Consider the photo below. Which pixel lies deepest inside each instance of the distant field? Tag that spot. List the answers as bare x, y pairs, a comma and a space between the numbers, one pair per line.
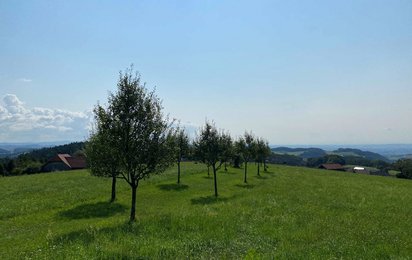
290, 212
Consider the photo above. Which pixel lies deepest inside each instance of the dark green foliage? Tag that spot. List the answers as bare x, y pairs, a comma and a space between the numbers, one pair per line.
101, 158
182, 149
32, 167
262, 152
356, 160
43, 154
245, 148
313, 152
303, 152
31, 162
212, 147
363, 157
364, 154
349, 160
405, 168
10, 166
237, 161
286, 159
2, 170
138, 134
229, 150
331, 158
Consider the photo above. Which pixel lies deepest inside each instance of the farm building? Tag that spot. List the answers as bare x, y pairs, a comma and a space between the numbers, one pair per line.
64, 162
370, 171
332, 166
359, 169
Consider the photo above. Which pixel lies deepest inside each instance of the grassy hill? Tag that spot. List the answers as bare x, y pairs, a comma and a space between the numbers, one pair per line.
290, 212
356, 152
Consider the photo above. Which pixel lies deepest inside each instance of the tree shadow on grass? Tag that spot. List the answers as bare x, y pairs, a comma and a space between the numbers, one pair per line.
208, 177
261, 177
268, 172
88, 235
229, 172
93, 210
173, 186
208, 200
245, 185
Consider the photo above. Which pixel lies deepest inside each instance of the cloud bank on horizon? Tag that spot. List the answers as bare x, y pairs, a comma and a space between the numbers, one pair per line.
19, 123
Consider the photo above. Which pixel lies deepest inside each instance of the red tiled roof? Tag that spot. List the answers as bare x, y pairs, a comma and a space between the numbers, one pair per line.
332, 166
76, 162
71, 162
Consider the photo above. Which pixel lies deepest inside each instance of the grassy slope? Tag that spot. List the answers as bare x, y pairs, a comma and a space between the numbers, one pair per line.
290, 212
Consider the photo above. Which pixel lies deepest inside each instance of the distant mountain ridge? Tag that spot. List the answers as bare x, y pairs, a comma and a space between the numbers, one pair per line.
13, 150
357, 152
312, 152
301, 152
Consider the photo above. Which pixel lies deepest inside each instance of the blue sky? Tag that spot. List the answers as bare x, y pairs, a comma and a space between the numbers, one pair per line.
294, 72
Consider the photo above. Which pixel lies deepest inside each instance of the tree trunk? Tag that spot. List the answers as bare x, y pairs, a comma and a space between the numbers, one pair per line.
178, 172
258, 170
113, 188
245, 172
214, 175
208, 170
225, 167
133, 210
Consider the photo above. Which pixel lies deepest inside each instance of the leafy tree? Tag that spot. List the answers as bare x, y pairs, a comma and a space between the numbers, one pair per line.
266, 154
182, 148
241, 151
102, 159
246, 148
334, 158
331, 158
211, 148
237, 160
32, 167
229, 150
137, 132
262, 151
405, 168
10, 166
2, 170
286, 159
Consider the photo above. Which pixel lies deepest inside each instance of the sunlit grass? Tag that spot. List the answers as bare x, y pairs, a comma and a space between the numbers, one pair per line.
289, 212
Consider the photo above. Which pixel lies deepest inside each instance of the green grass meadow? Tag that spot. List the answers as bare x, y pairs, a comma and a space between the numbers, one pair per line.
289, 212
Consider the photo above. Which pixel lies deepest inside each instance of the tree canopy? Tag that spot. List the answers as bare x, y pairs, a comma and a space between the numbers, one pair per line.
138, 133
212, 148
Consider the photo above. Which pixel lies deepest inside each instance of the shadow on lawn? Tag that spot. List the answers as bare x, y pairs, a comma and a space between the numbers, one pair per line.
246, 186
207, 200
93, 210
88, 235
261, 177
269, 172
173, 186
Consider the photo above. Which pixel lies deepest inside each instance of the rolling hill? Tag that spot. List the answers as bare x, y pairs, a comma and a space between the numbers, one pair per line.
356, 152
289, 212
306, 153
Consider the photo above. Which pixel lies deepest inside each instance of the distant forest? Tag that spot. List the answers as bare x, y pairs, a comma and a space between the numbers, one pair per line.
31, 162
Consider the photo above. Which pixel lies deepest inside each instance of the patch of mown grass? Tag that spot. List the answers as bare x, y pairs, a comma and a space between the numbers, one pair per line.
289, 212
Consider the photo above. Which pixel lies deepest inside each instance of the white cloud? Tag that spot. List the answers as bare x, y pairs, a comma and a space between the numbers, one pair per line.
19, 123
25, 80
